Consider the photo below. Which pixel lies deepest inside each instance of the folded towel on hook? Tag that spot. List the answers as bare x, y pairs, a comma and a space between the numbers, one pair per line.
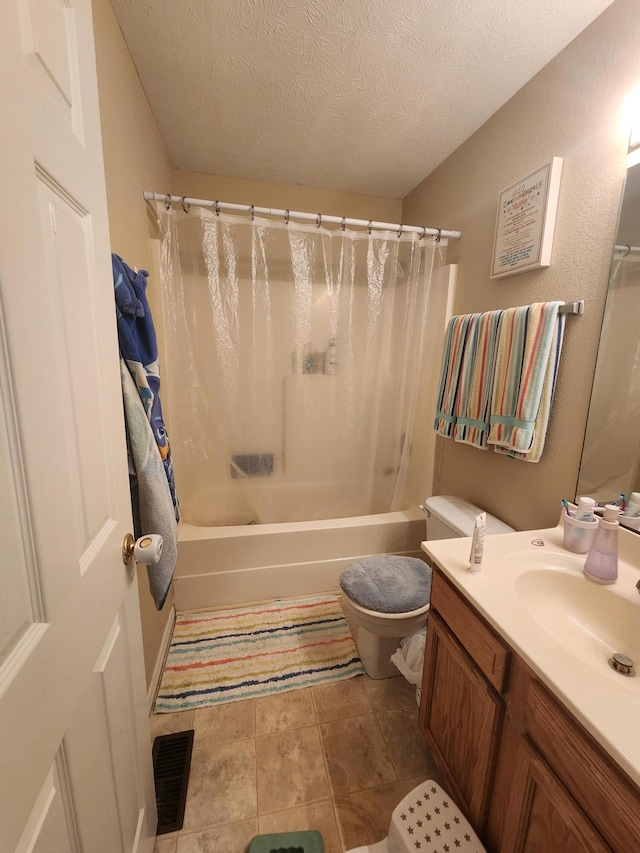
527, 358
450, 374
478, 362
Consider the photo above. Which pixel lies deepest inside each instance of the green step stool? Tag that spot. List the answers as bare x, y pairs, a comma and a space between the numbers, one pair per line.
308, 841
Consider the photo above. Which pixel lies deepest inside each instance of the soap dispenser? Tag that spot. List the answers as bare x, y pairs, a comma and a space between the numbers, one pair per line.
601, 565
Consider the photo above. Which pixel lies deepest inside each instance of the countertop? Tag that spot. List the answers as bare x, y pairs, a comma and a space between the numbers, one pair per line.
606, 703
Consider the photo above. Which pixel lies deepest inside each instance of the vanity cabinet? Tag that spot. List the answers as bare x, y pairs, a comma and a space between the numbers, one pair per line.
461, 712
528, 776
541, 815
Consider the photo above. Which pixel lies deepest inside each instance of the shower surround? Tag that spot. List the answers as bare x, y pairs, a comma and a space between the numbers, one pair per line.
300, 363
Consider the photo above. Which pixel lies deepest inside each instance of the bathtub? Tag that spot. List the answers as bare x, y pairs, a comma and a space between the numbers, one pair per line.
280, 499
220, 566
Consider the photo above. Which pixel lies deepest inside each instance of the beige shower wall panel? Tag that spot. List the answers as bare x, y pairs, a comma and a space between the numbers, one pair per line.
571, 109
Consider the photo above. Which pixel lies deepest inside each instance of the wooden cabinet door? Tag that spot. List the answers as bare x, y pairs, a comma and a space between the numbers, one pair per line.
461, 719
542, 817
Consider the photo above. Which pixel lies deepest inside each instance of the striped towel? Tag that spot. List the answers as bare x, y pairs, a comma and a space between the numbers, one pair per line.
478, 362
448, 390
528, 352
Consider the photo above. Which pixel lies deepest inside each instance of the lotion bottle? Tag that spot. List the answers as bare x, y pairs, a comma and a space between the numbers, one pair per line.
601, 565
477, 544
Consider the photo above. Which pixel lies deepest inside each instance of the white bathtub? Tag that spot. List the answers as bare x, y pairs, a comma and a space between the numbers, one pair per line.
279, 499
233, 565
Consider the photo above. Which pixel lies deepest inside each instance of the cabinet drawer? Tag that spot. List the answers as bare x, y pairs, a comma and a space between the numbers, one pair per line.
608, 797
490, 654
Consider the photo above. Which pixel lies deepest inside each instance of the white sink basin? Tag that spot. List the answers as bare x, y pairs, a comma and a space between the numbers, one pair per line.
590, 620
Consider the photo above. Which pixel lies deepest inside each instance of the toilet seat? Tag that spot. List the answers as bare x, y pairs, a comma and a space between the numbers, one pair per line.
387, 584
388, 624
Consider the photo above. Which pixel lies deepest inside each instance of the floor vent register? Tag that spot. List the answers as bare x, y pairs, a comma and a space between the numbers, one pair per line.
171, 765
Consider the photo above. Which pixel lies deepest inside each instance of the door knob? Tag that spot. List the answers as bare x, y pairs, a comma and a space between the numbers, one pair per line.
147, 549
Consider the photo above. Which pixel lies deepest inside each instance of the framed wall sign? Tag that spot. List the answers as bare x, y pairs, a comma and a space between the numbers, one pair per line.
525, 222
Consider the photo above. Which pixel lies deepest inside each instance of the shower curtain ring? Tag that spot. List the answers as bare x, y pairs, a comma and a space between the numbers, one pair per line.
401, 229
216, 207
628, 252
167, 201
186, 207
369, 227
424, 233
252, 212
286, 217
344, 223
319, 220
439, 235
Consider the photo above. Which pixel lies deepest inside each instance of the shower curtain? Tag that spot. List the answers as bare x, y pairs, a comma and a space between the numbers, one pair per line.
294, 357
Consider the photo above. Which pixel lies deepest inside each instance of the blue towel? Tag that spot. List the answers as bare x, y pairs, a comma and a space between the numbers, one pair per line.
388, 584
155, 505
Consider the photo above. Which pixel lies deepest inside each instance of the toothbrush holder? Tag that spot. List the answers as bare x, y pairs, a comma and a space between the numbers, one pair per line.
579, 535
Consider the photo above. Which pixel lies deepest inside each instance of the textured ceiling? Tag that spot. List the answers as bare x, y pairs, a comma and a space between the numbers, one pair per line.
365, 96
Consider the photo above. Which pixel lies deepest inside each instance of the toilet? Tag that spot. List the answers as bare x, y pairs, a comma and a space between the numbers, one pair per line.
387, 597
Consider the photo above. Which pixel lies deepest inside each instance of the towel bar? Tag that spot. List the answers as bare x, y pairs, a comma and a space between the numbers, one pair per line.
572, 307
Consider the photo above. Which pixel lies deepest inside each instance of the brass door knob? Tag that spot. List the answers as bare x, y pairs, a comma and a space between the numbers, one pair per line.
148, 549
128, 546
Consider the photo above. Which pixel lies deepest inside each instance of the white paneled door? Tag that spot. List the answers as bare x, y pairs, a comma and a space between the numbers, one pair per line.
75, 764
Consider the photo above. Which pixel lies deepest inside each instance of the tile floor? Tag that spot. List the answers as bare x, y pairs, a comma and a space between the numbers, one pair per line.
337, 758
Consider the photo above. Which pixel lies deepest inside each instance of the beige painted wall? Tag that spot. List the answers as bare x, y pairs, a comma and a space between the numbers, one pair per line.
285, 196
134, 159
571, 109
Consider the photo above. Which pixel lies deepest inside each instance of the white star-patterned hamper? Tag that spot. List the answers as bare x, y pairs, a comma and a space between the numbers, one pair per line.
427, 821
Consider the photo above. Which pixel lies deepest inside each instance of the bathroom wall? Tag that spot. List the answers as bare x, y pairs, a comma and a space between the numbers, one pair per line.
291, 196
134, 159
571, 109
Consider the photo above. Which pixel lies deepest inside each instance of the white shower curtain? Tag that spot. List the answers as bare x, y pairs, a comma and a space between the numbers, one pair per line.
294, 361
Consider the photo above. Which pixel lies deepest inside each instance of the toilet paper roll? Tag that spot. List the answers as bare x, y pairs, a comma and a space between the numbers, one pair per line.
148, 549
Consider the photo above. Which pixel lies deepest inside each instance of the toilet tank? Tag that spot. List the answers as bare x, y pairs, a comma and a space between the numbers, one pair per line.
449, 517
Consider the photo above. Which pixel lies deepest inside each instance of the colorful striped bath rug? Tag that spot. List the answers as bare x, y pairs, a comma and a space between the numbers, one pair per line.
226, 655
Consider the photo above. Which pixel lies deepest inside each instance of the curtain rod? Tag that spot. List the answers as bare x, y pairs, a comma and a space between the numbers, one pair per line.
628, 250
318, 218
